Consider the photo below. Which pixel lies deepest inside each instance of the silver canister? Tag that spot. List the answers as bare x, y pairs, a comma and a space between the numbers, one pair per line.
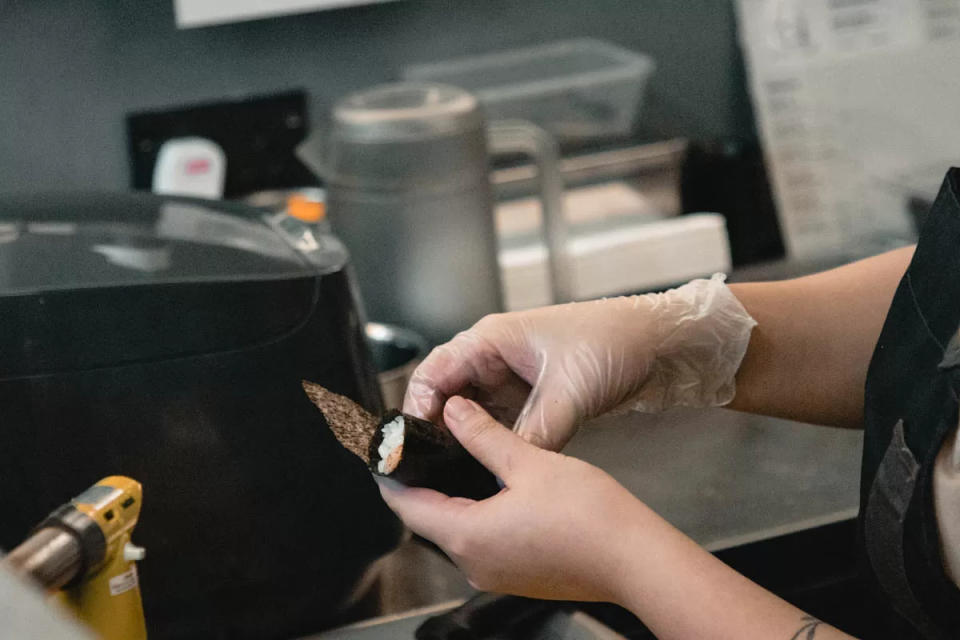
396, 352
406, 167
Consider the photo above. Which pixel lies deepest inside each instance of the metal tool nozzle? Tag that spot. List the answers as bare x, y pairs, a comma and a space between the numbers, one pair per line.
51, 556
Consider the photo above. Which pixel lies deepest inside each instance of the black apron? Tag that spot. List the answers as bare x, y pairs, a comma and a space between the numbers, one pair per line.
912, 391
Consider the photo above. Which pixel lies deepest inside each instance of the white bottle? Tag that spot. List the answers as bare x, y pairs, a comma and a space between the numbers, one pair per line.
193, 167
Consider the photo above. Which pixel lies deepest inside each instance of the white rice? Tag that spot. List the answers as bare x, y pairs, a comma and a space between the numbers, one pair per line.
392, 441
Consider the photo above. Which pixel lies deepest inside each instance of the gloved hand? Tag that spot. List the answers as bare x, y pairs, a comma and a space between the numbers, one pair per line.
546, 370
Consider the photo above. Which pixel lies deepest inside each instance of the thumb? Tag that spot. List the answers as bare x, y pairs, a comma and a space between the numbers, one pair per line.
493, 445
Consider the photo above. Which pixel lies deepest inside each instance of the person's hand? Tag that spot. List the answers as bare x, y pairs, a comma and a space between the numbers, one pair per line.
544, 370
557, 530
563, 529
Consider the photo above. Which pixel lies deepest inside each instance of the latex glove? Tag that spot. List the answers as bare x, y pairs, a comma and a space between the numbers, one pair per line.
545, 535
547, 370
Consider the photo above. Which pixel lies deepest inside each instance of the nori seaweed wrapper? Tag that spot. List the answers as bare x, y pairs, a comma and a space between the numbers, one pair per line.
350, 423
433, 458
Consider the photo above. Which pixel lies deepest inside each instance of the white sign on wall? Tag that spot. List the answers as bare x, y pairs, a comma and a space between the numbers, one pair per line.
200, 13
856, 101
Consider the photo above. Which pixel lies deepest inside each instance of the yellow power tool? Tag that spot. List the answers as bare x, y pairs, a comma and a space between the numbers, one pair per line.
83, 549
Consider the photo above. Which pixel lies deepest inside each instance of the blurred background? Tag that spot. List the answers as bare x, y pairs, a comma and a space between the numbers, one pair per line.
73, 72
421, 163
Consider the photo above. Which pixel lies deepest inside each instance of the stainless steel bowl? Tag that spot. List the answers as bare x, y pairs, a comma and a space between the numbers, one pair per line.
396, 353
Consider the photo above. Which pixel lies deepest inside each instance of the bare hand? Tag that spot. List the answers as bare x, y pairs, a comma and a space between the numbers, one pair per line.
563, 529
547, 534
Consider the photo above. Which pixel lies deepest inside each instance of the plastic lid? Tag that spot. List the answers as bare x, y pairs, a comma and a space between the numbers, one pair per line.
69, 241
405, 111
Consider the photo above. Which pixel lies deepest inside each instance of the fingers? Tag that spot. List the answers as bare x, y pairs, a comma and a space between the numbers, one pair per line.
426, 512
503, 403
548, 420
493, 445
468, 359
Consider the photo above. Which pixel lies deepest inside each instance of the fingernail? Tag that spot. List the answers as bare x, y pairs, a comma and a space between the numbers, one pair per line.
459, 408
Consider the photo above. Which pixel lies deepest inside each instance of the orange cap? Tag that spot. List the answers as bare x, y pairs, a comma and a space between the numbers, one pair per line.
307, 210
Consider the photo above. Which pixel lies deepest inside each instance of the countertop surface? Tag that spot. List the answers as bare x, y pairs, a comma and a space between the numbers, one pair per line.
725, 478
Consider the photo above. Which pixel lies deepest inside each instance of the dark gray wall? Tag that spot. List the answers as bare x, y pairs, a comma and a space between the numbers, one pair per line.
71, 69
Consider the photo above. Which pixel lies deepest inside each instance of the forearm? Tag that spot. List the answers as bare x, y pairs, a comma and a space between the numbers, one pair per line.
808, 356
680, 591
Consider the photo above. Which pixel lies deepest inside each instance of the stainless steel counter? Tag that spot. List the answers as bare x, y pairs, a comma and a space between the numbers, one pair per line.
726, 478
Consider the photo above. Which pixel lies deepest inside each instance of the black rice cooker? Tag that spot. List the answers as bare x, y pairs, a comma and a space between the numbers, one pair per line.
166, 339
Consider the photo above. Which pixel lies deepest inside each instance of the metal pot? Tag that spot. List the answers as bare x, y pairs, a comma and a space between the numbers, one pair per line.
396, 352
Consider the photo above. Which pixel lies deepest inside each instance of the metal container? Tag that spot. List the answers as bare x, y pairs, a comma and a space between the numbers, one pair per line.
396, 352
406, 168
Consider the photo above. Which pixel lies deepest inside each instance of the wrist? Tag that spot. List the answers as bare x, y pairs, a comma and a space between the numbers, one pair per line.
679, 590
632, 559
701, 333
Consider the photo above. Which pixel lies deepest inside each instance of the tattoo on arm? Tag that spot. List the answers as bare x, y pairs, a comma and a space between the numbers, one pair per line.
808, 630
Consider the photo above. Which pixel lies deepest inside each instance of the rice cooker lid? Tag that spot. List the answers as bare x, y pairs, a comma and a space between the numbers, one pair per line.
70, 241
92, 281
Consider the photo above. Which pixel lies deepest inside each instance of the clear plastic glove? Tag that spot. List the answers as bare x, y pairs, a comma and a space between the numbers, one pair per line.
547, 370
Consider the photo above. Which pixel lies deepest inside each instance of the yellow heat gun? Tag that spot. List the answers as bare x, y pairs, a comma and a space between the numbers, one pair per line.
83, 549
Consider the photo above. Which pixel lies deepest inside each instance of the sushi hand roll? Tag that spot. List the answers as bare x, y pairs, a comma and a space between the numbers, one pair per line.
419, 453
413, 451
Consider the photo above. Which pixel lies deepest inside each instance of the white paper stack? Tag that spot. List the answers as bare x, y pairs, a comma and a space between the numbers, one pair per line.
633, 257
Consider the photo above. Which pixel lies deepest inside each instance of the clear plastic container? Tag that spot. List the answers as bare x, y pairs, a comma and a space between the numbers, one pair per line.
577, 90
